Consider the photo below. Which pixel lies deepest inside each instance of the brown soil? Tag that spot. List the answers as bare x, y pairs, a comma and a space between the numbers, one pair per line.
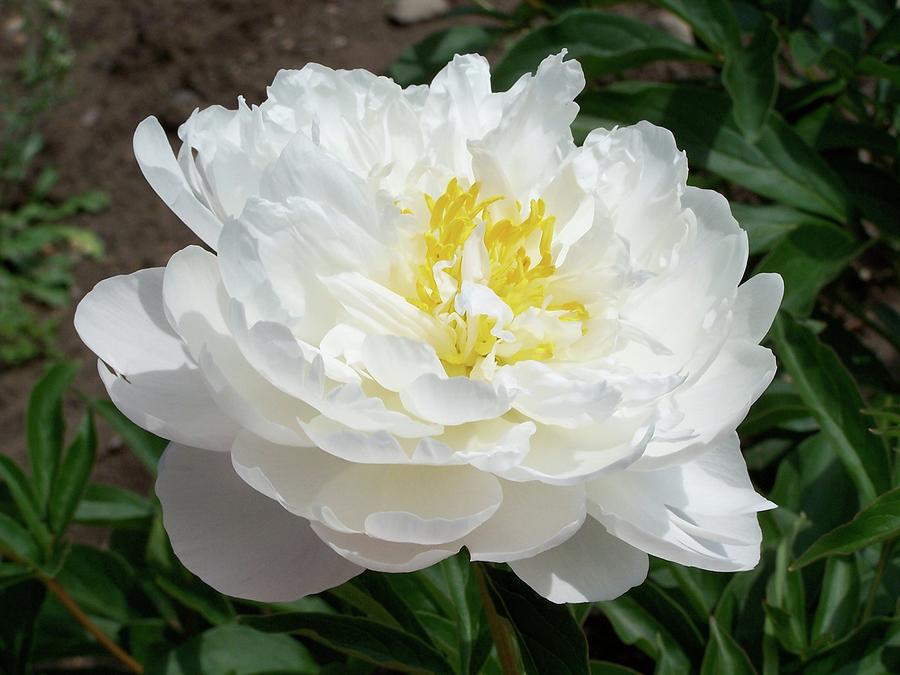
165, 57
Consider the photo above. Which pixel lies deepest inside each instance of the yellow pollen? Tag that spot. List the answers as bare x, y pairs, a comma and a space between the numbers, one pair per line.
517, 279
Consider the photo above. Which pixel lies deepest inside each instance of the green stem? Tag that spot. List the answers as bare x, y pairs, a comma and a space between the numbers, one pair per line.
79, 615
503, 640
876, 580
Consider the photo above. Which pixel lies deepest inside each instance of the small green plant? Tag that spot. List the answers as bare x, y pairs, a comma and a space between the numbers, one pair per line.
38, 248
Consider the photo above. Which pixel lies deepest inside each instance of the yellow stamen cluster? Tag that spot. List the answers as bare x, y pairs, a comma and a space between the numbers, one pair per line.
513, 275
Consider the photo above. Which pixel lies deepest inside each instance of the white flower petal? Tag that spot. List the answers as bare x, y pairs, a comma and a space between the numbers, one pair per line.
755, 306
156, 383
238, 541
701, 513
454, 400
532, 518
590, 566
395, 362
384, 556
534, 132
400, 503
158, 164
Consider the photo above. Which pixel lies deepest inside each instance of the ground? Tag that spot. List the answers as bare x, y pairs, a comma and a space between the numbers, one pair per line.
135, 58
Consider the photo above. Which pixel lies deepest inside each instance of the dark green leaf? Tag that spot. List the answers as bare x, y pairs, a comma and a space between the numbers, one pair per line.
24, 497
779, 165
234, 650
71, 479
663, 608
147, 447
602, 43
875, 192
834, 400
866, 643
723, 654
379, 589
21, 604
808, 258
750, 78
421, 62
779, 407
363, 638
112, 506
635, 626
456, 572
878, 522
609, 668
196, 595
45, 427
15, 541
100, 581
766, 225
550, 640
838, 601
713, 21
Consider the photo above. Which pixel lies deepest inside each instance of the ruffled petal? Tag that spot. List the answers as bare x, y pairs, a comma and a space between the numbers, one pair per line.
237, 540
158, 164
591, 566
144, 364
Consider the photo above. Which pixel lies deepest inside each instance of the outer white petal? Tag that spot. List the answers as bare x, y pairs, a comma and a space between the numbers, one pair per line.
158, 164
590, 566
755, 307
532, 518
400, 503
238, 541
702, 513
714, 405
156, 383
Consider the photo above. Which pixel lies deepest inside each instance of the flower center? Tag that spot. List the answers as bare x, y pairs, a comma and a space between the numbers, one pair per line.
506, 262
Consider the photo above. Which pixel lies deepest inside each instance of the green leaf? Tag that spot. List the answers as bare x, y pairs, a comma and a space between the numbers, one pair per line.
878, 522
419, 63
70, 481
780, 407
713, 21
378, 589
610, 668
100, 581
15, 541
24, 497
234, 650
808, 258
21, 604
767, 225
366, 639
664, 609
550, 640
601, 42
779, 165
723, 654
875, 192
869, 642
456, 572
196, 595
111, 506
146, 446
750, 78
838, 601
45, 427
832, 396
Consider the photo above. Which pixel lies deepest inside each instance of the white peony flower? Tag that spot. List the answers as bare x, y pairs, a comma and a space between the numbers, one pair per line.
430, 321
